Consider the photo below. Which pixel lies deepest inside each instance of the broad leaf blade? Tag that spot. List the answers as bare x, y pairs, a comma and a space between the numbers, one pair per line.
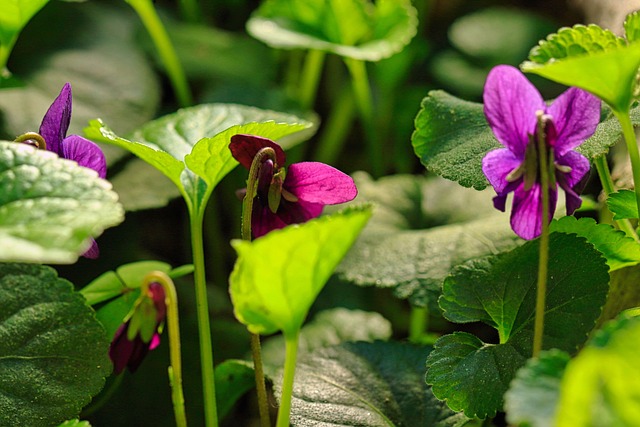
14, 15
277, 277
50, 207
233, 379
358, 29
623, 204
53, 351
369, 385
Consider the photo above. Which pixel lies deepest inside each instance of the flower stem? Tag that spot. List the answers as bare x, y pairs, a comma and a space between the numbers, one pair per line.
204, 328
608, 187
311, 78
291, 353
364, 101
418, 323
632, 148
247, 208
153, 24
543, 259
175, 370
336, 129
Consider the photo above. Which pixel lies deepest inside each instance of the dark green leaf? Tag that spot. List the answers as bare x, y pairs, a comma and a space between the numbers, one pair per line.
623, 204
619, 250
368, 385
533, 395
50, 207
53, 351
358, 29
420, 229
501, 292
233, 379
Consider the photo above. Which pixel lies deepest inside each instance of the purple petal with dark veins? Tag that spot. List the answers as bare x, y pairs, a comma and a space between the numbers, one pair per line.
55, 122
575, 114
319, 183
85, 153
526, 214
245, 147
497, 165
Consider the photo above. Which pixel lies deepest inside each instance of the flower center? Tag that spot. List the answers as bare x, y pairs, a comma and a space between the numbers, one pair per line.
33, 139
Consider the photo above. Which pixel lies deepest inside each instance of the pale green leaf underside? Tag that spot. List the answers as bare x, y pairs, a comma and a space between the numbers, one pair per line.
277, 277
368, 385
53, 351
357, 29
50, 207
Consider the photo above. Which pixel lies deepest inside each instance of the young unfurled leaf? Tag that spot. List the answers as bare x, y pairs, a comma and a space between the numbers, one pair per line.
358, 29
277, 277
369, 385
53, 351
500, 291
50, 207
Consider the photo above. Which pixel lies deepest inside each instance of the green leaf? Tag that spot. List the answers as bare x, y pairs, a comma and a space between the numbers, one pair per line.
190, 146
14, 15
50, 207
501, 292
53, 351
75, 423
233, 379
369, 385
358, 29
619, 249
607, 134
609, 73
623, 204
277, 277
533, 395
632, 27
420, 229
600, 386
329, 328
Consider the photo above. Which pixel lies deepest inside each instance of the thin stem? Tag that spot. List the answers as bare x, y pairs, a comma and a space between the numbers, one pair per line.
543, 260
311, 73
190, 11
335, 131
247, 208
151, 21
175, 370
632, 148
204, 328
291, 353
418, 323
364, 101
608, 187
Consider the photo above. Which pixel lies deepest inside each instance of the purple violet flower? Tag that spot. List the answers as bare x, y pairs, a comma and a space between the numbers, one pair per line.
293, 196
140, 331
513, 108
53, 131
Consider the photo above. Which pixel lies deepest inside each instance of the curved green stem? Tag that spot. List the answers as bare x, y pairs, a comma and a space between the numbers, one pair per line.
364, 100
291, 353
418, 323
311, 73
204, 328
175, 370
335, 131
607, 185
151, 21
632, 148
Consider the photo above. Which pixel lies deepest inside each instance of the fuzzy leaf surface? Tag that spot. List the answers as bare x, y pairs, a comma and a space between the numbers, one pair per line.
50, 207
53, 351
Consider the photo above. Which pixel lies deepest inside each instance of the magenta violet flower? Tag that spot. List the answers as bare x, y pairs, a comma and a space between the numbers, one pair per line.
514, 109
53, 137
140, 331
290, 196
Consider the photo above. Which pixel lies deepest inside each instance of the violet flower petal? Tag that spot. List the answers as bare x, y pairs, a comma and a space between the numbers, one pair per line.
85, 153
55, 122
575, 114
510, 105
579, 165
526, 214
264, 221
93, 252
497, 164
316, 182
245, 147
121, 349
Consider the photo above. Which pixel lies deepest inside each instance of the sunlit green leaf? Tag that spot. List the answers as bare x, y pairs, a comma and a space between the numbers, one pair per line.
632, 27
623, 204
50, 207
53, 351
277, 277
358, 29
14, 15
75, 423
500, 291
368, 385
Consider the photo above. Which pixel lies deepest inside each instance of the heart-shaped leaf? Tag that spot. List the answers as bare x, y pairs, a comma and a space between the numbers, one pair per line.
369, 385
501, 292
53, 351
50, 207
278, 276
358, 29
420, 229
